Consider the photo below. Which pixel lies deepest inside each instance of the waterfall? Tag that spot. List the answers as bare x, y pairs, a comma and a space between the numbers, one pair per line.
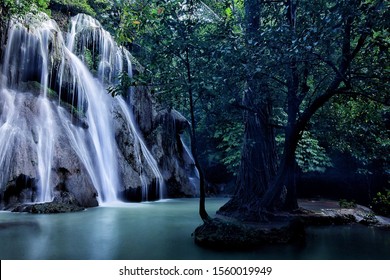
96, 146
88, 31
88, 38
8, 130
46, 132
194, 172
143, 151
28, 49
79, 70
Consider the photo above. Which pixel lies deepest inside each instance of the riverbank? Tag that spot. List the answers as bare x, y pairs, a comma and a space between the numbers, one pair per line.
230, 234
324, 212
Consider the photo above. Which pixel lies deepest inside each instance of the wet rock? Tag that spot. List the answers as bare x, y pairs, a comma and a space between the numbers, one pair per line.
48, 208
131, 163
63, 196
160, 131
21, 157
144, 110
173, 156
22, 189
226, 235
329, 213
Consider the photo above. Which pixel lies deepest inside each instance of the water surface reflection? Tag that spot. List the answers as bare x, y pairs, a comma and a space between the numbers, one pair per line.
162, 230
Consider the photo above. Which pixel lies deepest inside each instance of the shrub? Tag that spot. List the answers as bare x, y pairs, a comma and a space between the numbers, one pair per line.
381, 203
72, 7
347, 204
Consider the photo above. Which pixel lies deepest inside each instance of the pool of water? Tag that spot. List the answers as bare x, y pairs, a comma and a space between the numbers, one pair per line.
162, 230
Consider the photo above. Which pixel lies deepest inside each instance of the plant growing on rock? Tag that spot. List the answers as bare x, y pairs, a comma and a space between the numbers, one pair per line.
381, 203
347, 204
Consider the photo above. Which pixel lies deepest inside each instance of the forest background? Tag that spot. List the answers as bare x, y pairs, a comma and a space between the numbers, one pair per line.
285, 98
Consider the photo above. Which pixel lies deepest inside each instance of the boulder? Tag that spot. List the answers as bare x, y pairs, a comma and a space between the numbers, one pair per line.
48, 208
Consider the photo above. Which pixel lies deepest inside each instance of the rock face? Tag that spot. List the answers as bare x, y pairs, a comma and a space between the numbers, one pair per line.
173, 156
65, 140
20, 168
161, 133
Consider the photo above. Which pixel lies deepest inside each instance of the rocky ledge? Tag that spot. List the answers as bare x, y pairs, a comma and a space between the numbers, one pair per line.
329, 212
63, 202
230, 234
47, 208
222, 234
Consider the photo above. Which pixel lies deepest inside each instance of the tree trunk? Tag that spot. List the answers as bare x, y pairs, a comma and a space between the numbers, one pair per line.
260, 193
258, 156
258, 162
281, 196
260, 188
194, 145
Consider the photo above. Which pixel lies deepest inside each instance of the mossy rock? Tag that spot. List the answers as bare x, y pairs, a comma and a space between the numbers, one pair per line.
72, 7
224, 235
48, 208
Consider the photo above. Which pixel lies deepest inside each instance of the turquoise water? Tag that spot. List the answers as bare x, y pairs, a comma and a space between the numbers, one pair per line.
162, 230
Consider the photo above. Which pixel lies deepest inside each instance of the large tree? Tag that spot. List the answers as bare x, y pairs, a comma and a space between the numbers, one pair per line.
258, 154
279, 64
313, 51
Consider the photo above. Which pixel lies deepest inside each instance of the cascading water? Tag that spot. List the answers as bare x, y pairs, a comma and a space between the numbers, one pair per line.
28, 49
39, 53
140, 147
96, 146
194, 172
87, 31
46, 132
8, 130
87, 39
142, 150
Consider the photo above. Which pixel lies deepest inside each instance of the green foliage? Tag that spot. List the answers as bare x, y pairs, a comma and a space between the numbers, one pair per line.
21, 7
125, 82
347, 204
186, 51
310, 156
285, 62
88, 58
107, 12
359, 127
230, 138
122, 88
72, 7
301, 62
381, 203
100, 6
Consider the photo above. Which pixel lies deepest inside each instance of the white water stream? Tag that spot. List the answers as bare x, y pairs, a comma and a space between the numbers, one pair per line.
144, 152
34, 51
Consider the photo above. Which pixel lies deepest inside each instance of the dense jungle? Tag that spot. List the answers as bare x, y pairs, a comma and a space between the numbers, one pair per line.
264, 123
